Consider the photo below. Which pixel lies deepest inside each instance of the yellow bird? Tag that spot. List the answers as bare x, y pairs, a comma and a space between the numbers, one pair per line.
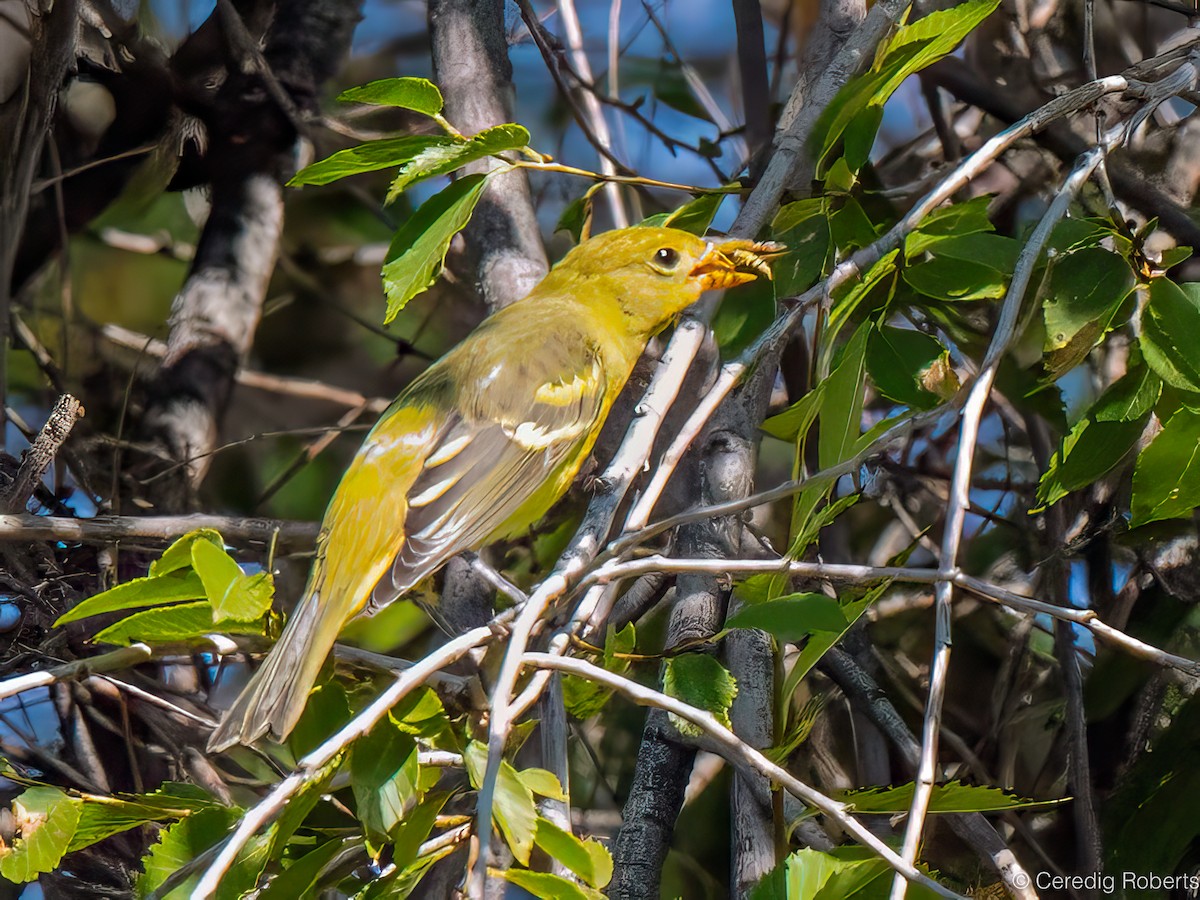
485, 441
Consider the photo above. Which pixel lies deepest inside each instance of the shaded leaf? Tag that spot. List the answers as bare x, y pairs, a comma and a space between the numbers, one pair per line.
1166, 478
945, 278
701, 681
1170, 323
792, 618
1085, 291
372, 156
419, 247
952, 797
949, 225
902, 362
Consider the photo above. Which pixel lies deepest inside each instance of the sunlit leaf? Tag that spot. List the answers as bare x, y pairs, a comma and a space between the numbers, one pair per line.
1170, 323
588, 859
44, 819
1166, 479
418, 94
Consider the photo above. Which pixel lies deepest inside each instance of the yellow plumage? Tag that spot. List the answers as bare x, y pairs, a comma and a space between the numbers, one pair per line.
485, 441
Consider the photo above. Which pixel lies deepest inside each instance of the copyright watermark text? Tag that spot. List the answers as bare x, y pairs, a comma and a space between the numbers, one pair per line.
1109, 882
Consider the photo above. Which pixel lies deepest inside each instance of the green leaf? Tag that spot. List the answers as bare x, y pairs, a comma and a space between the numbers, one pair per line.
414, 829
576, 217
232, 593
1085, 291
910, 367
847, 300
820, 641
795, 421
415, 257
372, 156
792, 618
850, 227
911, 49
179, 554
1166, 479
545, 886
444, 160
544, 783
588, 859
947, 225
154, 590
514, 810
298, 879
418, 94
694, 216
952, 797
956, 280
839, 874
327, 710
842, 403
1170, 323
1129, 398
803, 228
743, 317
182, 622
994, 250
45, 820
401, 884
584, 699
384, 777
421, 714
180, 844
1102, 438
100, 818
701, 681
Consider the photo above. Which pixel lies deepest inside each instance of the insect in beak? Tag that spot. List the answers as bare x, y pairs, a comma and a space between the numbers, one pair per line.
736, 262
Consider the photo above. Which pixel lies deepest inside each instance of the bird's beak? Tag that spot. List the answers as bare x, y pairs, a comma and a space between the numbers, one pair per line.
735, 262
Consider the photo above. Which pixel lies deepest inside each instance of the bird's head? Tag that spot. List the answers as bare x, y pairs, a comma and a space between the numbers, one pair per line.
653, 274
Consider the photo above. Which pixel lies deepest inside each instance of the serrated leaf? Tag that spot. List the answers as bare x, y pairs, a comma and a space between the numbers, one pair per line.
1170, 323
179, 554
956, 280
420, 246
100, 818
588, 859
1084, 292
182, 622
841, 873
180, 844
45, 819
233, 594
792, 618
952, 797
418, 94
155, 590
443, 160
384, 775
1166, 478
372, 156
901, 362
699, 680
546, 886
514, 810
820, 641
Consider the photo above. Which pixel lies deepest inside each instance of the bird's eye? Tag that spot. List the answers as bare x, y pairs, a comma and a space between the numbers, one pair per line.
666, 259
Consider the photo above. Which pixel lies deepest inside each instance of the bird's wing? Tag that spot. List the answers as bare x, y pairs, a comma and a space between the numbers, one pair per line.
505, 456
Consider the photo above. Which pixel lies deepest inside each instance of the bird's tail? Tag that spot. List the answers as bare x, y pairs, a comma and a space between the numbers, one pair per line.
276, 694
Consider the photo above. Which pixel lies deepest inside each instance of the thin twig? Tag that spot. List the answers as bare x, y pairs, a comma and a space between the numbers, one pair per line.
107, 529
739, 753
